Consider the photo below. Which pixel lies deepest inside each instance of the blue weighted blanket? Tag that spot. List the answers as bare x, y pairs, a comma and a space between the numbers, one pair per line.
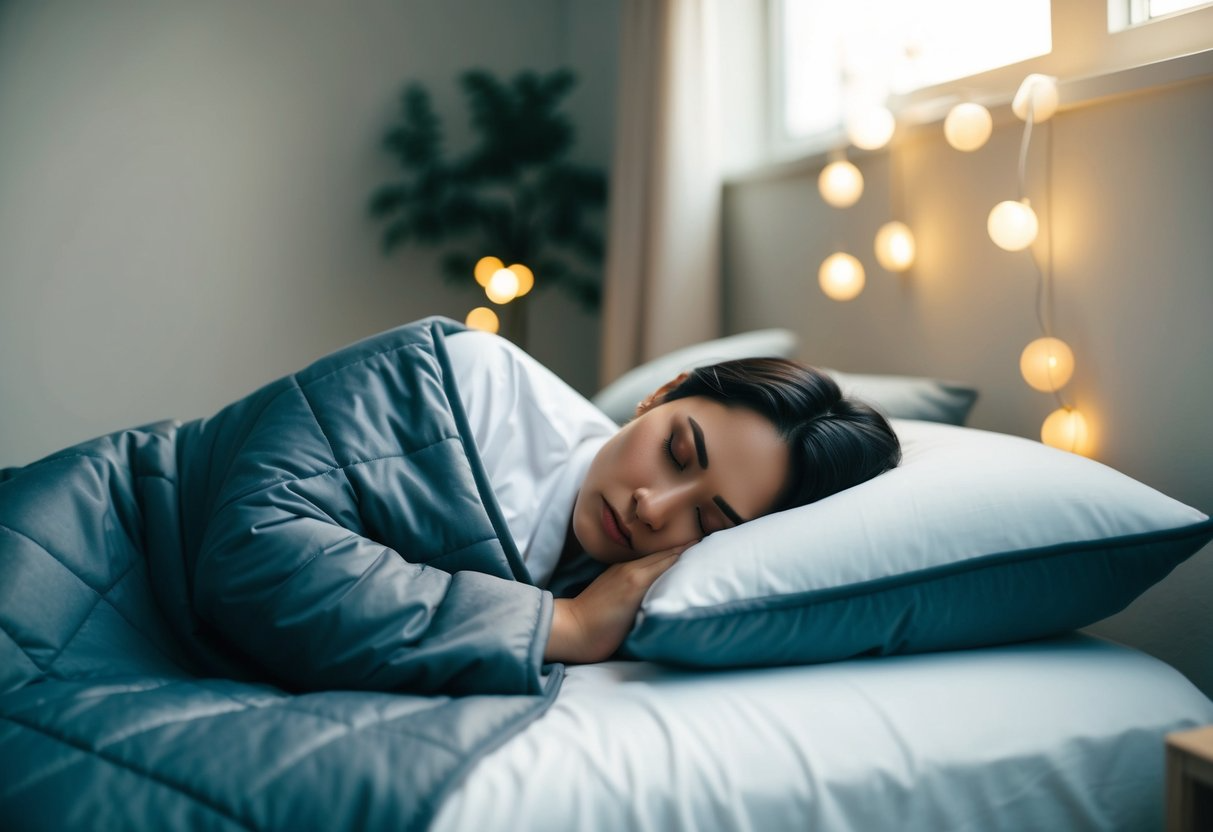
303, 613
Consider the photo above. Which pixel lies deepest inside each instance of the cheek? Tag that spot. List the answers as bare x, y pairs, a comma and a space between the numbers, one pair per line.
617, 463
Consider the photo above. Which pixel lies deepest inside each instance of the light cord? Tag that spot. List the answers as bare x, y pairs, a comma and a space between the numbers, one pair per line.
1044, 272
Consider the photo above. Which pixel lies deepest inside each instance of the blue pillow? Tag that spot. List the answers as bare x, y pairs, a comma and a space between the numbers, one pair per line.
910, 397
978, 538
619, 398
903, 397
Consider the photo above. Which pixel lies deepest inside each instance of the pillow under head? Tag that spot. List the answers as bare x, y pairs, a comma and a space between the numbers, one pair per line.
977, 538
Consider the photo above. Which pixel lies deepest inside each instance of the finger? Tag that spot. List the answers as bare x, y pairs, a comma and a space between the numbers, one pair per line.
652, 566
674, 550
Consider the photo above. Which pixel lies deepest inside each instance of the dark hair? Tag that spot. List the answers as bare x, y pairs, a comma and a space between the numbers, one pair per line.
834, 442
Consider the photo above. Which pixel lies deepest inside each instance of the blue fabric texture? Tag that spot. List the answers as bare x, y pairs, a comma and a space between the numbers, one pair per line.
305, 612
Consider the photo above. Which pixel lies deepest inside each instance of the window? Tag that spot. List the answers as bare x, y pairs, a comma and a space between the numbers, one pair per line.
921, 56
834, 51
1125, 13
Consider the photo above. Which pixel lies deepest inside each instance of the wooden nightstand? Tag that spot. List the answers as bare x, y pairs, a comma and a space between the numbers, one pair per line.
1190, 780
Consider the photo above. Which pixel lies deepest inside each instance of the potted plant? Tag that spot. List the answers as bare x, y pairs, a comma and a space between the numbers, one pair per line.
513, 196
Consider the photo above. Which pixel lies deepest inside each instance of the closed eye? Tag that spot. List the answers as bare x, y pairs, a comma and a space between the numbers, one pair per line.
669, 451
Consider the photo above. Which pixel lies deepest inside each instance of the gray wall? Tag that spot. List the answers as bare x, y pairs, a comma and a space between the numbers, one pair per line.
182, 192
1132, 205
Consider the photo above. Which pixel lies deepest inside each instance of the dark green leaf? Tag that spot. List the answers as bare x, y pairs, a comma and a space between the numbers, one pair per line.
387, 199
458, 266
589, 245
394, 235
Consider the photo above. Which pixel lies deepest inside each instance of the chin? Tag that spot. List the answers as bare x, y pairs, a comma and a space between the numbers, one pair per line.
583, 530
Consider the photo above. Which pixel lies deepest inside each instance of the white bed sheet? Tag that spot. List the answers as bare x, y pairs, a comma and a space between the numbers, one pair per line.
1064, 734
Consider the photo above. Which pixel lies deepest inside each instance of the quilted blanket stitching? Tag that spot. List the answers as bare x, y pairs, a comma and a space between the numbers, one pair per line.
149, 775
24, 655
297, 386
316, 421
171, 719
272, 597
100, 595
267, 484
287, 703
414, 345
390, 724
138, 630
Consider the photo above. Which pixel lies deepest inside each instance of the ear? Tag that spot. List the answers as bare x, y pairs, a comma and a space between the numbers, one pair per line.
658, 396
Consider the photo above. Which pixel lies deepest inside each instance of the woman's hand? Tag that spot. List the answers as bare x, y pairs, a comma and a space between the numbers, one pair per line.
590, 627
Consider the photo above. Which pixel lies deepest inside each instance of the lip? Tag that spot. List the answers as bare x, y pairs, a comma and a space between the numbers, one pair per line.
613, 527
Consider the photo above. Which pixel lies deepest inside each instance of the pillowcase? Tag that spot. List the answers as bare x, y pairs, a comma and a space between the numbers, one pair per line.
619, 398
910, 397
977, 538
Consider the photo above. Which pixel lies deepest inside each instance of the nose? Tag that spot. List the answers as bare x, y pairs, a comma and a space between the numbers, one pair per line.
654, 507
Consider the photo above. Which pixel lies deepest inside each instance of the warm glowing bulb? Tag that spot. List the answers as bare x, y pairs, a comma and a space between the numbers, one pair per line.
1047, 364
502, 287
895, 246
1012, 225
1037, 93
482, 318
526, 278
486, 267
840, 183
841, 276
968, 126
1066, 428
871, 128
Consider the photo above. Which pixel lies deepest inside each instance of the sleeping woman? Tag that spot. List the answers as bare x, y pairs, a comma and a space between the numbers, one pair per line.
707, 451
427, 510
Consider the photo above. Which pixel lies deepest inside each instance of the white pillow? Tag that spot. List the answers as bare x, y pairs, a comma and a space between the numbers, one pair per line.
977, 538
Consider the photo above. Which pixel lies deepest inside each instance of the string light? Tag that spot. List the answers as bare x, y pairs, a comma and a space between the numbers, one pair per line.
871, 127
486, 267
895, 246
840, 183
1047, 363
1036, 99
484, 319
502, 286
526, 278
1013, 225
968, 126
1066, 428
841, 276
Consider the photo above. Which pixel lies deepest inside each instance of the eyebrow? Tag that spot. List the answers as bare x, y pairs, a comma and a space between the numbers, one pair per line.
728, 510
701, 449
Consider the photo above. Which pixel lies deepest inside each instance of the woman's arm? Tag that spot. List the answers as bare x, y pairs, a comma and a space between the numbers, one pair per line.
590, 627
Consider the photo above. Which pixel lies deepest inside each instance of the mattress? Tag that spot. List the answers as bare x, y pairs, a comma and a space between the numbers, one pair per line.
1062, 734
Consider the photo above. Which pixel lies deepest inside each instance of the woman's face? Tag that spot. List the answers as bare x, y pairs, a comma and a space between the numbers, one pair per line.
674, 475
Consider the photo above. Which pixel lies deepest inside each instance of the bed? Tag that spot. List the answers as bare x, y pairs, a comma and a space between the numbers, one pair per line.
1058, 734
834, 667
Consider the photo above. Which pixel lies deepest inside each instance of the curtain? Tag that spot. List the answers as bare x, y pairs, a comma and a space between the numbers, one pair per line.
662, 281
